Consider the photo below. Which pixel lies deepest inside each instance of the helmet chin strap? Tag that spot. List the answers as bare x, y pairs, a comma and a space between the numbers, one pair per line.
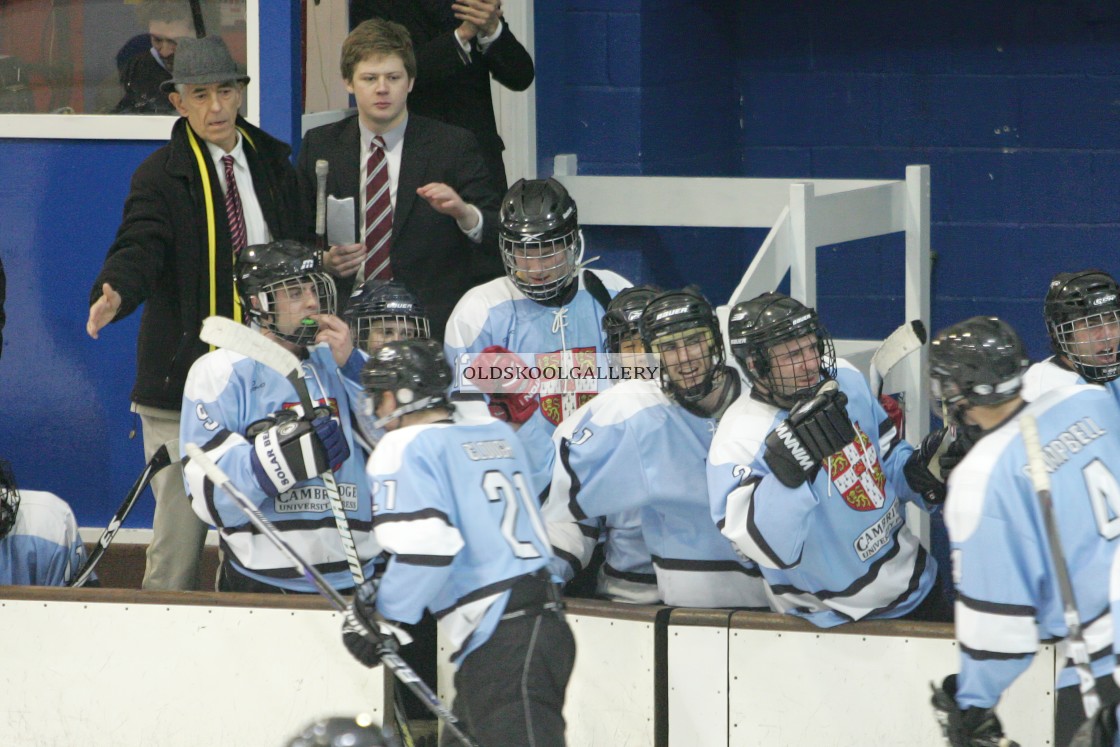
420, 404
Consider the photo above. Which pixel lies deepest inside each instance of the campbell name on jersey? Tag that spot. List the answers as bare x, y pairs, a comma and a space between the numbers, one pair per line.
1007, 592
220, 387
634, 448
452, 504
497, 313
836, 549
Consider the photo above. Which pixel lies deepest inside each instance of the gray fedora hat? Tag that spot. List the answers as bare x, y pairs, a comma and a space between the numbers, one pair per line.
202, 61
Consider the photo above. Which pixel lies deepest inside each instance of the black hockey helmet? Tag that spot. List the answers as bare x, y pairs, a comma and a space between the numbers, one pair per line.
9, 498
980, 361
1081, 311
771, 319
680, 327
385, 310
538, 233
284, 269
624, 312
415, 371
342, 731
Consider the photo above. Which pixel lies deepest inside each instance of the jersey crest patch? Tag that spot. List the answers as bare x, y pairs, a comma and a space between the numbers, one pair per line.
856, 471
560, 397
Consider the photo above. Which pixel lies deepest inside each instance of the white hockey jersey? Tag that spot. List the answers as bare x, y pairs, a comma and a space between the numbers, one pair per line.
1046, 375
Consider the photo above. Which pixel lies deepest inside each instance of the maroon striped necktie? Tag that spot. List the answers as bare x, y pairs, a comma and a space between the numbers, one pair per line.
379, 215
237, 231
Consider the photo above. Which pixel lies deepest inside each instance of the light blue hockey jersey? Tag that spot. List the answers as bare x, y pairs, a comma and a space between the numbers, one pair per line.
452, 503
497, 313
1007, 594
637, 449
627, 573
225, 393
836, 549
44, 547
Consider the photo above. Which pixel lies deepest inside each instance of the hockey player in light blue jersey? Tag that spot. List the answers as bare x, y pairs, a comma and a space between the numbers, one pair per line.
546, 310
807, 476
1008, 597
39, 540
626, 573
453, 507
1082, 312
644, 445
249, 420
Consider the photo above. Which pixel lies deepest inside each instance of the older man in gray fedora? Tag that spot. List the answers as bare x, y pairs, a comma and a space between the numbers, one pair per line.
219, 185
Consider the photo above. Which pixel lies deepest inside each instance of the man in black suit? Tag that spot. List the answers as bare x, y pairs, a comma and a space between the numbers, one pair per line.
443, 239
459, 45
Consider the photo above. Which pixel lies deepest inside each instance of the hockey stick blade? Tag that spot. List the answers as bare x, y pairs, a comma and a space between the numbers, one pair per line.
1075, 640
226, 333
162, 458
899, 344
400, 669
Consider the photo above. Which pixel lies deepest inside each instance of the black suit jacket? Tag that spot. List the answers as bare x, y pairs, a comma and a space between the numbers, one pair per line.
448, 88
430, 255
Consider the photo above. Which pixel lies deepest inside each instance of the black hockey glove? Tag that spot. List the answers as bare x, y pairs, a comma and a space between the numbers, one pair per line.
816, 429
922, 469
966, 438
366, 635
973, 727
296, 450
1099, 731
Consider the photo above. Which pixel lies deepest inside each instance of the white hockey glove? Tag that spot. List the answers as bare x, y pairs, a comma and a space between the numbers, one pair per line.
973, 727
816, 429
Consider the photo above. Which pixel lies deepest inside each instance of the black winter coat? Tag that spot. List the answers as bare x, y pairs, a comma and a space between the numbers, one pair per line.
163, 256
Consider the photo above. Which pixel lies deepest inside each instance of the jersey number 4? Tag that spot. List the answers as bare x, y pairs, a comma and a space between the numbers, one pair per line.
514, 495
1104, 497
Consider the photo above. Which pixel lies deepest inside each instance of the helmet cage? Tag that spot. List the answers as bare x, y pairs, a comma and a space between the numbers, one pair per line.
753, 340
690, 357
9, 498
268, 314
554, 260
387, 328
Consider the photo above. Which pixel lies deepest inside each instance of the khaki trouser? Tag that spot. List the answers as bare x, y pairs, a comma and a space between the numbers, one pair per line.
177, 532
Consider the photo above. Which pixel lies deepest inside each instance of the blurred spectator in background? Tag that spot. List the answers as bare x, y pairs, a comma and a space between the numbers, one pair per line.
143, 72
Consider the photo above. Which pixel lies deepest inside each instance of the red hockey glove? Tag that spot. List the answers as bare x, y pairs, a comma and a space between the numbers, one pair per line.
512, 397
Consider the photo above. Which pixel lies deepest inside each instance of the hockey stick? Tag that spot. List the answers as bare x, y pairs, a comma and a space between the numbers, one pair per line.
400, 669
162, 458
1078, 649
226, 333
322, 168
899, 344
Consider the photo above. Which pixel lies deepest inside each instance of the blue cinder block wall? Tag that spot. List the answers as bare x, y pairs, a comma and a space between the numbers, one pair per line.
1014, 104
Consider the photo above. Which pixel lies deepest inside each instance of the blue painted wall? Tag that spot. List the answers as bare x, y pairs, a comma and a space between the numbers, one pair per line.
1014, 105
64, 398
